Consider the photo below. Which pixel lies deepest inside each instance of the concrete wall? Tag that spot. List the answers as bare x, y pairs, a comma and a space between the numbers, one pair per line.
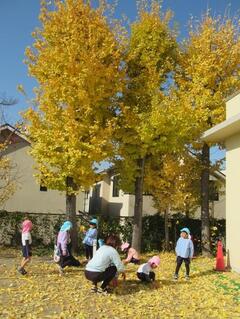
233, 187
217, 209
233, 106
233, 199
28, 197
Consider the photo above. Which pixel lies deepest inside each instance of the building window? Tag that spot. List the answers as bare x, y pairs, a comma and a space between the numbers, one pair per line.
43, 188
96, 191
213, 191
115, 189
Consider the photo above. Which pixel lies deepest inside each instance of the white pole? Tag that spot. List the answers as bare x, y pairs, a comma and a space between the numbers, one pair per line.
94, 246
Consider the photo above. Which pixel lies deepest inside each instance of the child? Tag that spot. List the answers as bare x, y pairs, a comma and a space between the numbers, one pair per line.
26, 245
145, 272
184, 250
90, 238
132, 256
64, 245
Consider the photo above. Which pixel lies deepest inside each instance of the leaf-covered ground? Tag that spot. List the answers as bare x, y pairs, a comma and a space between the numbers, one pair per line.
42, 293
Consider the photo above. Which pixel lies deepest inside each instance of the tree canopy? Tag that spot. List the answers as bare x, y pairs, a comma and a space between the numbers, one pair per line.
76, 61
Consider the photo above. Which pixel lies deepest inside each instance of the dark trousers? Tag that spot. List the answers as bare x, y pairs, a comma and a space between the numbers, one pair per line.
179, 263
89, 251
145, 277
69, 261
105, 276
135, 261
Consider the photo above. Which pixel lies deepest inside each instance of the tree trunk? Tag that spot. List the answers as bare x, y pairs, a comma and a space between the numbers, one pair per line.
138, 206
187, 211
71, 213
166, 216
205, 231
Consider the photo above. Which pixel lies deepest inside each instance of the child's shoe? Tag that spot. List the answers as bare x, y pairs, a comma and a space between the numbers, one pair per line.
187, 277
94, 289
103, 291
22, 271
175, 277
60, 269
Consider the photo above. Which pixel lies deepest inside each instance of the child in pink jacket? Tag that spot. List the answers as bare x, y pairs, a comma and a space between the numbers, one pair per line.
64, 245
26, 245
132, 256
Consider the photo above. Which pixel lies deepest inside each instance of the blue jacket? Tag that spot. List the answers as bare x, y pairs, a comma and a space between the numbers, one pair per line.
184, 248
90, 236
104, 257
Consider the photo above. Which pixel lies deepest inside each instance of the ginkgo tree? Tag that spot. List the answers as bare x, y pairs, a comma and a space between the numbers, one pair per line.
75, 59
150, 124
208, 73
174, 182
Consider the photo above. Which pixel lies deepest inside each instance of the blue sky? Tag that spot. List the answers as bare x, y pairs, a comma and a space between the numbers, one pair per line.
19, 18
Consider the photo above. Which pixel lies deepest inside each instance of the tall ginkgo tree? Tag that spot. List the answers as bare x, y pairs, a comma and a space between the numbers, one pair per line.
149, 122
209, 72
174, 182
76, 61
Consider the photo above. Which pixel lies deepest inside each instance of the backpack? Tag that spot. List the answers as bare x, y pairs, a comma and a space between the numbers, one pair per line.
56, 254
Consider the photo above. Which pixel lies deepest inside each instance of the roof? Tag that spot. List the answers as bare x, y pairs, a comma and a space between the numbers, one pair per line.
13, 130
222, 131
232, 95
219, 175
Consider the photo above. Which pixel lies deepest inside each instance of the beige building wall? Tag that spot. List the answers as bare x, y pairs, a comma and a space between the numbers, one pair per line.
233, 199
233, 106
233, 187
217, 209
119, 205
104, 193
123, 205
229, 132
28, 197
148, 206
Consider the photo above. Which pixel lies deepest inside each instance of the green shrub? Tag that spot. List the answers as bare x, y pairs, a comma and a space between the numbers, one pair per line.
46, 227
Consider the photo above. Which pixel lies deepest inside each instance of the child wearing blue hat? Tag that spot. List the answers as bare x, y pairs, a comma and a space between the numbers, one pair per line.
90, 238
184, 250
64, 247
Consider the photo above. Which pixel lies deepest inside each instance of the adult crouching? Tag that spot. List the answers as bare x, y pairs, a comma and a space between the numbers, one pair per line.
104, 265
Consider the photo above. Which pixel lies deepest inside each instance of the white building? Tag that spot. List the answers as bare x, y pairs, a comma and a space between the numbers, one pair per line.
229, 133
30, 197
106, 198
